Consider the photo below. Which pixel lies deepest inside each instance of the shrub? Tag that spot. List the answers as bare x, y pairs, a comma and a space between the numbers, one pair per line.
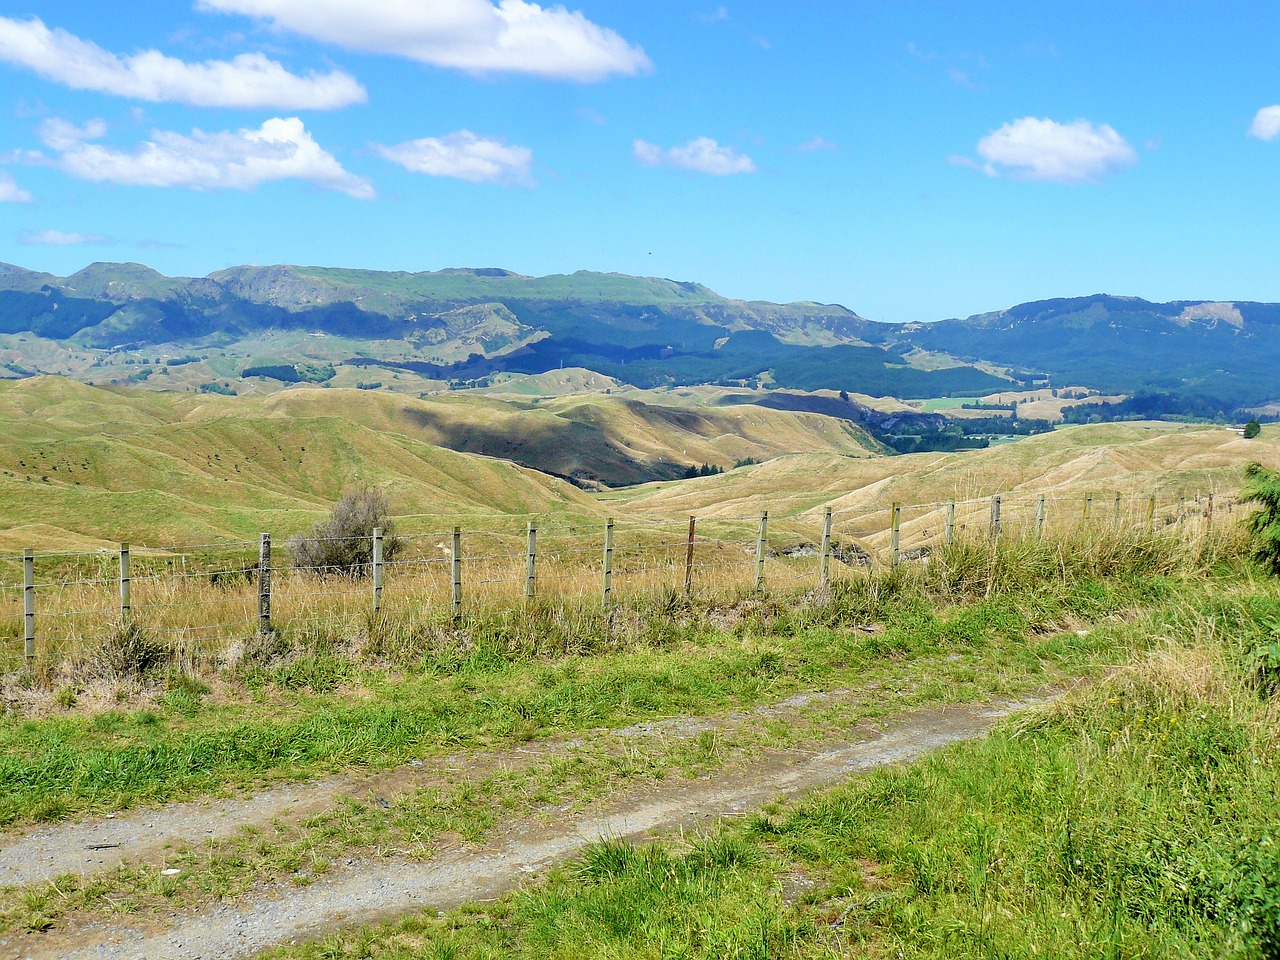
1252, 428
1262, 486
342, 545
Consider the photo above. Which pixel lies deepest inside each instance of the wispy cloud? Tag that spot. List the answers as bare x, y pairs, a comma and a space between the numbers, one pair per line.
464, 156
702, 154
59, 238
281, 149
10, 192
1031, 148
249, 80
1266, 123
962, 69
815, 145
477, 35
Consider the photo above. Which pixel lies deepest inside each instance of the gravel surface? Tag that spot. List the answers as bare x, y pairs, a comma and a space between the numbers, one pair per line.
358, 891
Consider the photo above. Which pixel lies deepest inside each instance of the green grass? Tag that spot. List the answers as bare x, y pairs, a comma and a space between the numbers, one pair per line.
1136, 819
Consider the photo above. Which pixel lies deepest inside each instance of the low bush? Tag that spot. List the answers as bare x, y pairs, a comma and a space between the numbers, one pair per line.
342, 544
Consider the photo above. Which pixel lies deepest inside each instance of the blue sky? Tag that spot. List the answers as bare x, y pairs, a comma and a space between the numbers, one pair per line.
912, 161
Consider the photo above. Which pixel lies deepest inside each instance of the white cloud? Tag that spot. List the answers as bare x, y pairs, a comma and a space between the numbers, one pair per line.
1035, 149
57, 238
476, 35
249, 80
1266, 123
815, 145
703, 155
465, 156
10, 192
281, 149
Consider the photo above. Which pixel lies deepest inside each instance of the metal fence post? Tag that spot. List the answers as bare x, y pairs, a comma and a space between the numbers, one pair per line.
1088, 506
895, 524
688, 557
29, 605
1039, 517
455, 566
995, 516
377, 569
531, 562
264, 584
760, 548
824, 562
951, 522
606, 595
124, 583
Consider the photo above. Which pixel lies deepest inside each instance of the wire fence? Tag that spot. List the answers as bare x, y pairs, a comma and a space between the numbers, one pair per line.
53, 603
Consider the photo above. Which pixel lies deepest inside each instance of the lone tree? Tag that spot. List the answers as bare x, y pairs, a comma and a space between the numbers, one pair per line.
1252, 428
342, 545
1262, 486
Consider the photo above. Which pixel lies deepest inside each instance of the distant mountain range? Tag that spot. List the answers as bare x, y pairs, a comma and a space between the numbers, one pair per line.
465, 325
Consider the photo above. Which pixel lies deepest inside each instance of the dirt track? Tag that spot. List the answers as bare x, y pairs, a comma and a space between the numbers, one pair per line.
358, 890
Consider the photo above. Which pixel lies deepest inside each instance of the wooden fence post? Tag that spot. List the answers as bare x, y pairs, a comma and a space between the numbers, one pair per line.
1116, 515
1182, 514
895, 524
377, 569
29, 605
824, 562
264, 584
1208, 516
531, 562
688, 557
995, 517
1039, 517
124, 583
1151, 512
760, 547
951, 522
1088, 507
455, 566
606, 596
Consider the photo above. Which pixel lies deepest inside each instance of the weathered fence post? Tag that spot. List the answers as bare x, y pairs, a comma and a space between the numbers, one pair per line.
1208, 515
1116, 515
606, 596
1088, 507
688, 557
264, 584
455, 566
124, 583
531, 562
1039, 517
1151, 512
951, 522
995, 517
1182, 514
760, 547
824, 562
377, 569
29, 605
895, 524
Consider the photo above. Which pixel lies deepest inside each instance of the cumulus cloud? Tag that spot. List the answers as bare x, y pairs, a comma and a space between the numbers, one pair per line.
464, 156
475, 35
281, 149
1266, 123
1035, 149
249, 80
703, 155
57, 238
10, 192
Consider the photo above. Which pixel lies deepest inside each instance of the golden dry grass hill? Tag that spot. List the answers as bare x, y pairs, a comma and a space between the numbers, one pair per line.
82, 465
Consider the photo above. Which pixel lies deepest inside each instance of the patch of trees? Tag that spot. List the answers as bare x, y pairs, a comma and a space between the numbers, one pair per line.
291, 373
1148, 406
706, 470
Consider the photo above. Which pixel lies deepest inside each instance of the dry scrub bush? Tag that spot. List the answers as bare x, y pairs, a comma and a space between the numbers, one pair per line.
343, 544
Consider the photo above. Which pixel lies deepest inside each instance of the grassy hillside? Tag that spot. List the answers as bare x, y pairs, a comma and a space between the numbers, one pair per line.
80, 464
1136, 459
